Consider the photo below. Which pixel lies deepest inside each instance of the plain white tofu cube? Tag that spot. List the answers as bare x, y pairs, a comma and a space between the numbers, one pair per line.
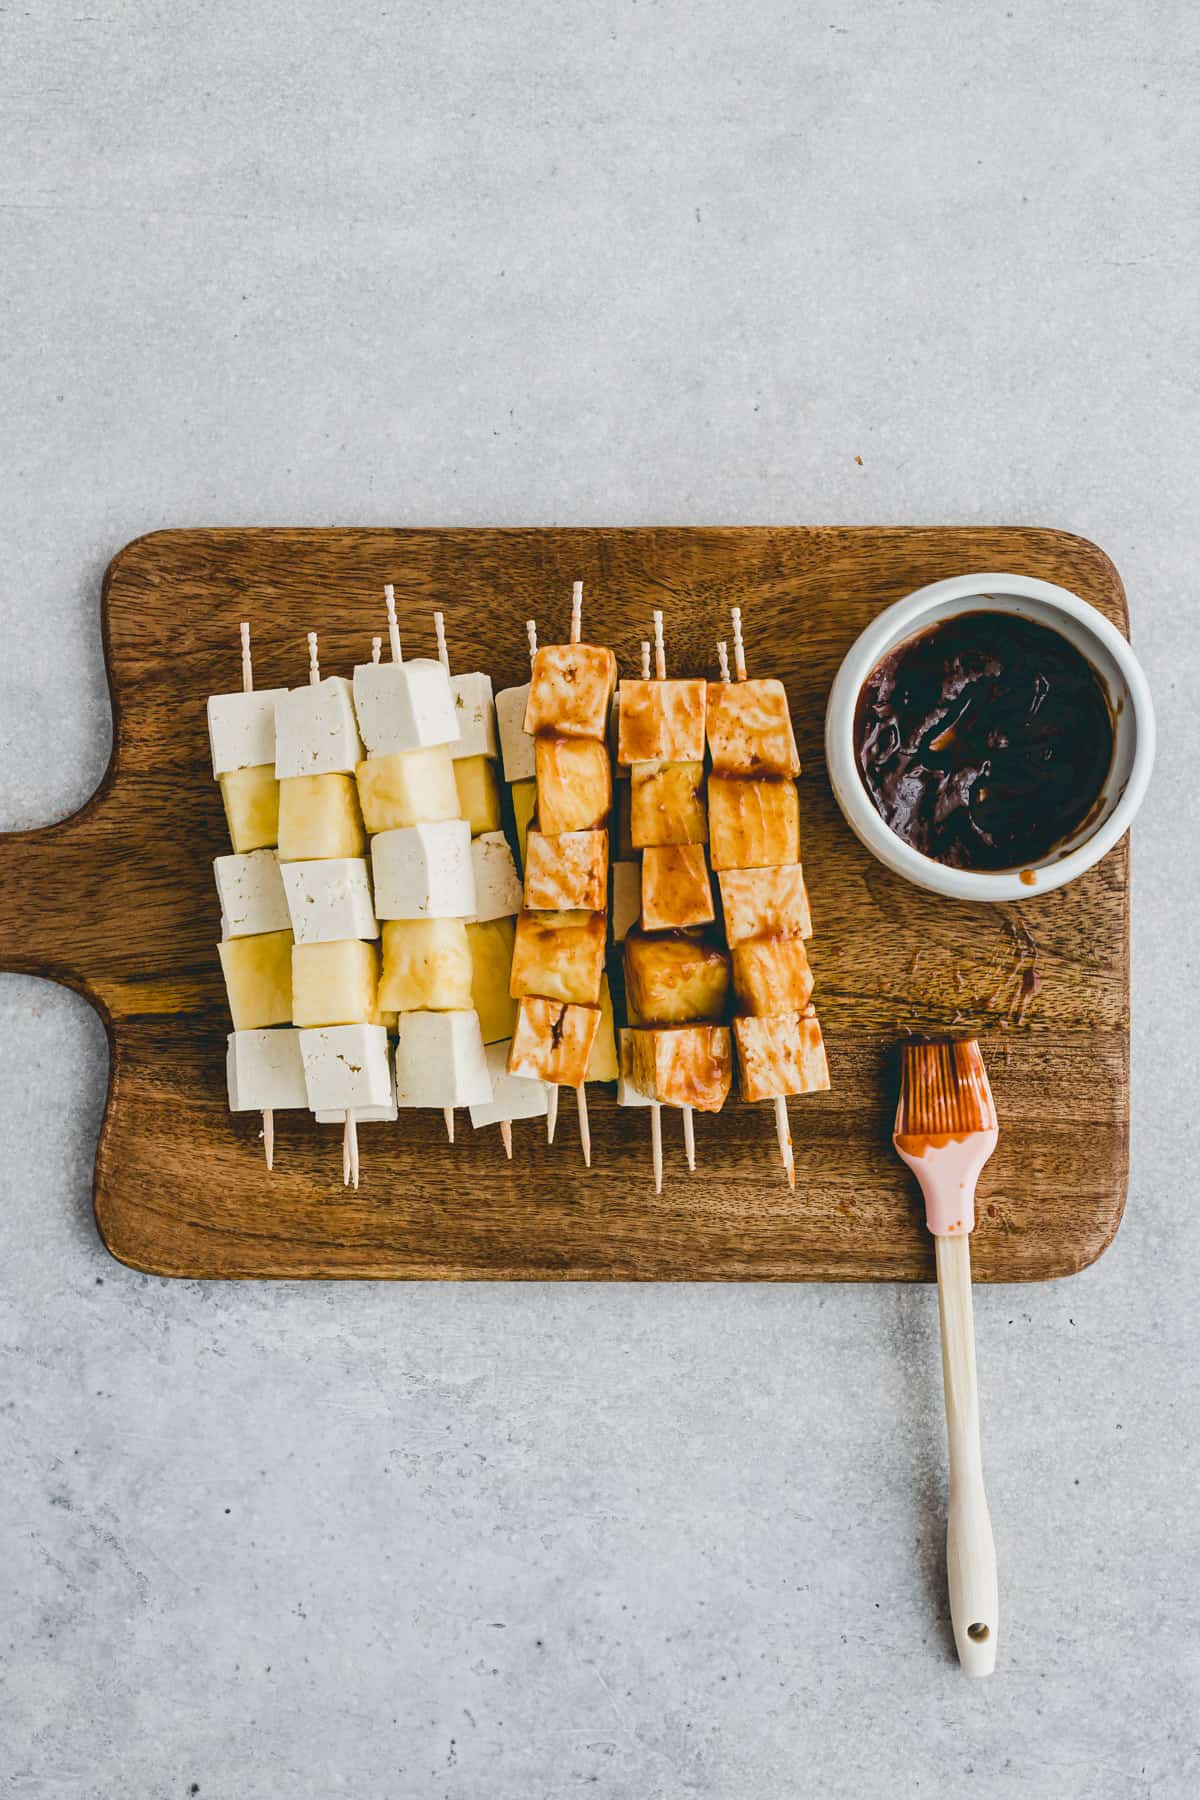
440, 1060
241, 729
516, 745
316, 732
627, 1094
626, 899
513, 1096
476, 713
404, 706
497, 884
250, 890
329, 900
345, 1067
424, 872
265, 1071
366, 1115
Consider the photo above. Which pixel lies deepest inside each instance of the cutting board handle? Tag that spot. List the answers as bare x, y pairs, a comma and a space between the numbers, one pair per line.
52, 882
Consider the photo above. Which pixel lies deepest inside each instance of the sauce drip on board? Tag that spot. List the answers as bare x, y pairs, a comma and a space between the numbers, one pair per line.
984, 741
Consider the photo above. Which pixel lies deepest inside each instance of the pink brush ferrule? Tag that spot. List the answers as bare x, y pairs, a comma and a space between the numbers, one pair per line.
947, 1169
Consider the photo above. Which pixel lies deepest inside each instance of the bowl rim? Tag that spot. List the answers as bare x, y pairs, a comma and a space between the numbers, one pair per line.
903, 619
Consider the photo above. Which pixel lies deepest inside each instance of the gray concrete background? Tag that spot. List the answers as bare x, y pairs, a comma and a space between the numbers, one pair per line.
621, 263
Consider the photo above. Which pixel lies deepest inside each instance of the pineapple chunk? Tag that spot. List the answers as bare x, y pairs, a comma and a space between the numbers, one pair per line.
750, 729
553, 1042
602, 1064
753, 824
568, 873
690, 1065
771, 975
258, 979
570, 690
491, 946
426, 966
671, 980
251, 798
676, 887
478, 793
524, 799
667, 804
407, 787
765, 903
319, 817
662, 721
335, 983
559, 955
784, 1054
574, 784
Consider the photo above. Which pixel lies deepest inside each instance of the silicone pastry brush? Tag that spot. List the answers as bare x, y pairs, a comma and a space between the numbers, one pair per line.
945, 1131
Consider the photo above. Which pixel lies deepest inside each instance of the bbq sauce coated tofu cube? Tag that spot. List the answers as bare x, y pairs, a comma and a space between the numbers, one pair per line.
667, 804
568, 873
753, 824
319, 817
553, 1041
491, 947
258, 979
560, 956
765, 903
524, 800
570, 690
771, 975
673, 979
478, 793
627, 1093
686, 1065
750, 729
250, 797
407, 787
426, 966
574, 784
662, 721
335, 984
784, 1054
602, 1063
676, 887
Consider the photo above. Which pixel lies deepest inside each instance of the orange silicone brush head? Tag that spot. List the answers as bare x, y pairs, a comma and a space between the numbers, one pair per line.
944, 1091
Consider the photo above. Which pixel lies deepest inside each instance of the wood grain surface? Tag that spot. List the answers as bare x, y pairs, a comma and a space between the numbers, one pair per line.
118, 903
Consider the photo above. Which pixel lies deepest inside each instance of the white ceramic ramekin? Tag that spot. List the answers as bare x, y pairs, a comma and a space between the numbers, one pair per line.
1110, 656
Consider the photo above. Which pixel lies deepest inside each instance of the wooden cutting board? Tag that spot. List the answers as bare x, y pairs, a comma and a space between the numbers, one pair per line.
118, 903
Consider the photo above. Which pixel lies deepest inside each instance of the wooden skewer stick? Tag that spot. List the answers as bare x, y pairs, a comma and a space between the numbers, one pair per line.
531, 634
689, 1137
506, 1137
723, 659
551, 1111
439, 625
448, 1115
660, 674
350, 1129
656, 1143
314, 666
376, 649
389, 600
585, 1127
576, 612
268, 1118
660, 653
739, 654
645, 659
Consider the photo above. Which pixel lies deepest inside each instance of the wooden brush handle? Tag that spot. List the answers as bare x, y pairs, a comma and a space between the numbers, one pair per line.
970, 1552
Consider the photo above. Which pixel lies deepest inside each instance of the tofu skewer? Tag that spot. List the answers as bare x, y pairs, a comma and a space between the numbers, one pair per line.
268, 1115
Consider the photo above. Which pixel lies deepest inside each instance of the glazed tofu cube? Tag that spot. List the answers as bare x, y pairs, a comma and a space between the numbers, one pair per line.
424, 872
497, 885
478, 793
335, 984
671, 980
627, 1094
602, 1063
771, 975
258, 979
513, 1096
676, 887
626, 899
407, 787
241, 730
553, 1042
686, 1065
574, 784
404, 706
491, 949
329, 900
426, 966
524, 799
568, 873
475, 711
783, 1054
753, 824
346, 1067
265, 1072
750, 729
319, 817
316, 732
251, 800
570, 690
516, 745
440, 1060
667, 804
662, 721
765, 903
559, 955
251, 894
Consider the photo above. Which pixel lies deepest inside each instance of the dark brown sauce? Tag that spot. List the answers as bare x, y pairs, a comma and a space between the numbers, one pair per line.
984, 741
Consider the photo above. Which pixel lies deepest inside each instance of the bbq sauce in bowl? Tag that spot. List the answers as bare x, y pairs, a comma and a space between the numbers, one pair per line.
984, 741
